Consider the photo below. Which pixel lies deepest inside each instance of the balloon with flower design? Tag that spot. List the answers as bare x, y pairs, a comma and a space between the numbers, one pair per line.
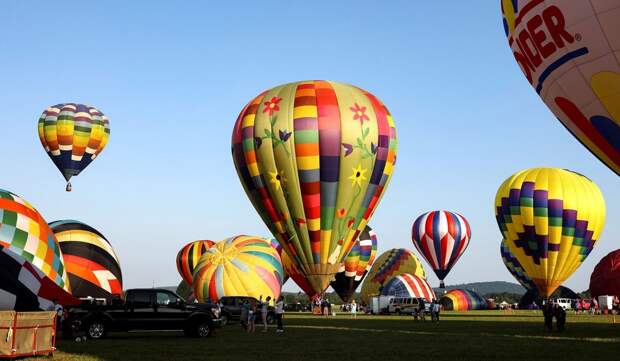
356, 264
73, 135
315, 157
568, 51
550, 220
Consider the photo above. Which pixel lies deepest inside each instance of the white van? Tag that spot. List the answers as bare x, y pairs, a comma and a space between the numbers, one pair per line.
403, 305
565, 303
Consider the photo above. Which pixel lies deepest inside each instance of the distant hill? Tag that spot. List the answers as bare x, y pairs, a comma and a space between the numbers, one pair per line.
484, 288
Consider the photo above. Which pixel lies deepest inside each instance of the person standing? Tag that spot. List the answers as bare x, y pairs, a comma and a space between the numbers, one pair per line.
436, 310
353, 307
264, 309
252, 317
279, 314
245, 310
548, 314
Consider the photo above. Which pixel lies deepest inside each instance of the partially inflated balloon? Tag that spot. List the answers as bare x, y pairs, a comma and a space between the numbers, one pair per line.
514, 267
315, 157
188, 258
92, 264
568, 51
32, 271
238, 266
463, 300
355, 266
441, 237
73, 135
550, 220
408, 285
389, 265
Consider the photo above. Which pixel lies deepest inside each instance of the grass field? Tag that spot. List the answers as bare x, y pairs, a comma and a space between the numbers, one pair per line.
481, 335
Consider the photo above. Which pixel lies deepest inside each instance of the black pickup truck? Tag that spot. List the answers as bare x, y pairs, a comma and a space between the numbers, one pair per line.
143, 309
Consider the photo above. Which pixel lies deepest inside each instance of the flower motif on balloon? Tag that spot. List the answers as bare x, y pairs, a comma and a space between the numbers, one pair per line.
272, 106
277, 178
341, 212
358, 175
359, 113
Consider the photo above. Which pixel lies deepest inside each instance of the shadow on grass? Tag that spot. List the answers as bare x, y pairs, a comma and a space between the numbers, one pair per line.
367, 338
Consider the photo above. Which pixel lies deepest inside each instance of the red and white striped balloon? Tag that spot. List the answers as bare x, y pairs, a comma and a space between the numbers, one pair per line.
441, 237
408, 285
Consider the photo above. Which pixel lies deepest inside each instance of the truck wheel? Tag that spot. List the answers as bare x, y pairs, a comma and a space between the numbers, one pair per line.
96, 330
203, 329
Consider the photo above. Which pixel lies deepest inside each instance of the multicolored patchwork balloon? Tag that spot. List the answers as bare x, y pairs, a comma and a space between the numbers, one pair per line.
568, 52
514, 267
188, 258
408, 285
92, 264
390, 264
73, 135
315, 157
32, 270
441, 237
238, 266
550, 219
463, 300
355, 266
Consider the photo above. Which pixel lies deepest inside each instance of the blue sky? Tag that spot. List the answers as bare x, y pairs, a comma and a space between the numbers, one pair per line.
173, 76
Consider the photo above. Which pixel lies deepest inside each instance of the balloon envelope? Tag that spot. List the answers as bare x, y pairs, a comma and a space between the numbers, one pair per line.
463, 300
92, 264
514, 267
550, 219
441, 237
238, 266
32, 271
355, 266
568, 50
408, 285
188, 258
390, 264
73, 135
605, 279
315, 157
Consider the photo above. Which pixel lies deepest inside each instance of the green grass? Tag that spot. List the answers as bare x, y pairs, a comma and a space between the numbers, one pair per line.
481, 335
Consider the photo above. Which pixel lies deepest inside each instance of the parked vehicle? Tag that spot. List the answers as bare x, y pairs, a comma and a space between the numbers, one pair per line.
296, 307
405, 305
379, 304
143, 309
565, 303
231, 309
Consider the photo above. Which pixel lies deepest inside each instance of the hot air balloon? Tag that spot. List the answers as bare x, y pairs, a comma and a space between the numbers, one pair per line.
441, 237
568, 53
356, 264
92, 264
390, 264
605, 279
238, 266
463, 300
186, 291
32, 271
73, 135
290, 270
550, 220
188, 258
315, 157
408, 285
515, 268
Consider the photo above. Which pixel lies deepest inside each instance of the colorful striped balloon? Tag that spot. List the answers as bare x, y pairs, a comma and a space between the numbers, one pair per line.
186, 291
514, 267
238, 266
291, 270
188, 258
441, 237
315, 157
463, 300
408, 285
568, 51
29, 245
92, 264
73, 135
355, 266
550, 219
389, 265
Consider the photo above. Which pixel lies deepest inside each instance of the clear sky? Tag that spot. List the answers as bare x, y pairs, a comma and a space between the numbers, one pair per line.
173, 75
